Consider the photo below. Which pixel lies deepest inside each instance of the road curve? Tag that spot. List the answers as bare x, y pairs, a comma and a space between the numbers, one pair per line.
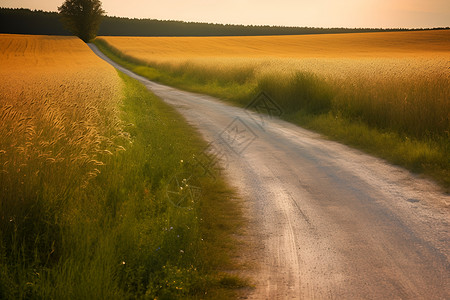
328, 221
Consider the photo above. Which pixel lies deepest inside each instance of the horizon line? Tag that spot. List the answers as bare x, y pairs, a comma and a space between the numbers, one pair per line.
248, 25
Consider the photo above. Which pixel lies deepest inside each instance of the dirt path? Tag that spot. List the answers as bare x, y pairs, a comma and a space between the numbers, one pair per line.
329, 221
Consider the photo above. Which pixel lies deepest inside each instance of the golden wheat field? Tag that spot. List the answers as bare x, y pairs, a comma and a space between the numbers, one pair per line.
335, 55
397, 80
384, 44
58, 112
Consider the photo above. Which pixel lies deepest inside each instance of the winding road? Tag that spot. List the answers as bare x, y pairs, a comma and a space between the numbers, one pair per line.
327, 221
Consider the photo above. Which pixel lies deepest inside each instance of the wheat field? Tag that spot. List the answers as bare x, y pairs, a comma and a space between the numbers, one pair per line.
59, 122
356, 45
391, 80
58, 110
380, 56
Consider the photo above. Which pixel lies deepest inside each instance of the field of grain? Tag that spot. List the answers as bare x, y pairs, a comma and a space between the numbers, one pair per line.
83, 183
59, 123
54, 116
386, 93
394, 80
357, 45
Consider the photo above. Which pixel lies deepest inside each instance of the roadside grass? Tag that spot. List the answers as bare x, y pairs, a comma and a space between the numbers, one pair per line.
119, 236
429, 157
403, 119
235, 85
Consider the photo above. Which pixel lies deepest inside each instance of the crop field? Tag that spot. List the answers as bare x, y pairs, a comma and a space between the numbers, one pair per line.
59, 124
357, 45
405, 71
48, 113
83, 175
395, 83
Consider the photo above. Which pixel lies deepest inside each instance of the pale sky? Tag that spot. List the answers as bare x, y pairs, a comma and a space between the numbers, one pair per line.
311, 13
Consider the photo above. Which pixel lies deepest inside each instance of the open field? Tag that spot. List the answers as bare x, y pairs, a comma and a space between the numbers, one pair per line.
83, 183
384, 92
56, 106
357, 45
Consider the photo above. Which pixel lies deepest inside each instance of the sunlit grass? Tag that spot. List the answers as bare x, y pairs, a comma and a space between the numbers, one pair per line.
58, 128
386, 84
85, 162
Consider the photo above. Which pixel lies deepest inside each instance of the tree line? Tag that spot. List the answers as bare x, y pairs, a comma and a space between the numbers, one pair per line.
26, 21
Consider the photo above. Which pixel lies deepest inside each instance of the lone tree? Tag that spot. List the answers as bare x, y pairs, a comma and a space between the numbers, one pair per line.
82, 17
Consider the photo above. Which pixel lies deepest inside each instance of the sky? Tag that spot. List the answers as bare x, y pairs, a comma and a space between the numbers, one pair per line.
311, 13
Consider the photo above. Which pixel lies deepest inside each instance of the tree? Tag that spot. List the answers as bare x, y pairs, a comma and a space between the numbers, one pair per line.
82, 17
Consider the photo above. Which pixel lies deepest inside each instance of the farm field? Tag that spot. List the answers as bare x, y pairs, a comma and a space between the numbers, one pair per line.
83, 179
356, 45
386, 93
48, 111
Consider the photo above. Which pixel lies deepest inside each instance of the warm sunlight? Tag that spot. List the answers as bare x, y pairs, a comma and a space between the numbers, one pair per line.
320, 13
234, 149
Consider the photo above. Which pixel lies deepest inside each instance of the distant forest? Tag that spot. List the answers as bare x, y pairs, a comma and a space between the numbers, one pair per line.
25, 21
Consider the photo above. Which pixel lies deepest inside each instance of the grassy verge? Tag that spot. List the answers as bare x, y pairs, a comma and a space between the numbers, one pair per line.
235, 85
122, 236
411, 131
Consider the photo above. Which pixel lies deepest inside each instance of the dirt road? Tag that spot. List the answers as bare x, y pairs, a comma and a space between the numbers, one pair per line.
329, 222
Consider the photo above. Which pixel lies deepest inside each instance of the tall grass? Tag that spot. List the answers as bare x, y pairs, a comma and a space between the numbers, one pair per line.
406, 99
118, 236
83, 179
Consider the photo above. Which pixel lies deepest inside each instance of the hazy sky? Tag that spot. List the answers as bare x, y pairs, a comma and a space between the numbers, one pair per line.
319, 13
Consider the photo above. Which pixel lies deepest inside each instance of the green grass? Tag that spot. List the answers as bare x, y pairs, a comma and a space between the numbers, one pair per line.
403, 121
235, 86
120, 237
